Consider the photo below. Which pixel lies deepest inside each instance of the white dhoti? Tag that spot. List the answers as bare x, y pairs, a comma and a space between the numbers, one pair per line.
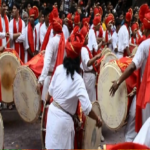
59, 130
143, 136
130, 133
45, 87
90, 82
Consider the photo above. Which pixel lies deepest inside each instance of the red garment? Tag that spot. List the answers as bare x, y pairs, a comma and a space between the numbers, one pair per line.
85, 22
134, 27
70, 22
57, 25
109, 19
100, 32
106, 35
128, 16
6, 28
76, 29
77, 18
96, 20
134, 41
143, 38
31, 39
19, 45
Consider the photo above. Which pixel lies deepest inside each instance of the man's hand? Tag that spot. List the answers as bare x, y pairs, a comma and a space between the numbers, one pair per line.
98, 122
116, 50
39, 88
114, 88
7, 34
1, 48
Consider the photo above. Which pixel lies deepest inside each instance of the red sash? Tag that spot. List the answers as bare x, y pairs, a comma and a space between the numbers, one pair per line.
6, 28
18, 45
134, 41
106, 35
76, 29
100, 32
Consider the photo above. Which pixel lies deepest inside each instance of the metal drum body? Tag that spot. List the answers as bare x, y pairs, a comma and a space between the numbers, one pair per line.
92, 134
1, 133
8, 66
26, 98
113, 109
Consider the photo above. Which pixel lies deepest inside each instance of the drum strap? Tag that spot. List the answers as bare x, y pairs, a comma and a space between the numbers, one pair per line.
75, 118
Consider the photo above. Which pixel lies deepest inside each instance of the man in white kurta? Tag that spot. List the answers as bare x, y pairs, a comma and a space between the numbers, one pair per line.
14, 36
60, 132
66, 31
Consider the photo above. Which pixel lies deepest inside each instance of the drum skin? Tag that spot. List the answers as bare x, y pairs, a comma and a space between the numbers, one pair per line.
8, 66
113, 109
1, 133
92, 134
26, 98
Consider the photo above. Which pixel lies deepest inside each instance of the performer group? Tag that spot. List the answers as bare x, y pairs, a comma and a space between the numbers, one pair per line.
73, 49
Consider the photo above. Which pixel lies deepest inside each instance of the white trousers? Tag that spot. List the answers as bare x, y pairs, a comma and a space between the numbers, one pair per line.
90, 82
130, 133
45, 87
143, 136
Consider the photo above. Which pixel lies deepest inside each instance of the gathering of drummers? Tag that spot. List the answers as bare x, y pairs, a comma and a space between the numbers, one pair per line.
77, 66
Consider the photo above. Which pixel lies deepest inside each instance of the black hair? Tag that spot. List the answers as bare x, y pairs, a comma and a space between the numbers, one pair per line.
108, 3
47, 11
71, 66
3, 1
118, 22
61, 13
17, 5
28, 2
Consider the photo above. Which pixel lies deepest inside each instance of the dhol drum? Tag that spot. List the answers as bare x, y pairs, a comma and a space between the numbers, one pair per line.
9, 63
92, 134
26, 98
1, 133
113, 109
105, 51
43, 124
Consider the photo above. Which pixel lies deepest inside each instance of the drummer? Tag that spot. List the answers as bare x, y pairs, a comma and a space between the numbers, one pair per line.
141, 61
66, 88
134, 38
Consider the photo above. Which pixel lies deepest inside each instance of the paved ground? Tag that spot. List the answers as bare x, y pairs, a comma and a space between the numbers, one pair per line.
21, 135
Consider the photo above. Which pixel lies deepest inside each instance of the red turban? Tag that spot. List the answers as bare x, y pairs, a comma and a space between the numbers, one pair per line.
32, 13
109, 19
134, 27
96, 11
57, 25
77, 18
55, 12
128, 16
36, 12
74, 45
101, 10
69, 19
85, 22
142, 28
84, 31
144, 15
96, 20
130, 11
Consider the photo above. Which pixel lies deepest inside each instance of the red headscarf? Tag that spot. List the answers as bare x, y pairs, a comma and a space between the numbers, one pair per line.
85, 22
32, 12
128, 17
74, 45
77, 18
134, 27
96, 20
70, 23
57, 25
109, 19
84, 31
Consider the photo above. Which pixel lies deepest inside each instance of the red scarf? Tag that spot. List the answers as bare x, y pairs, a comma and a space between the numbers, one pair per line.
18, 45
76, 29
100, 32
143, 96
106, 36
6, 28
46, 38
134, 41
31, 39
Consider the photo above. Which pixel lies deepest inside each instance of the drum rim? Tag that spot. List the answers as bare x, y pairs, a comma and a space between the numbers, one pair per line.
35, 81
105, 51
17, 60
42, 122
84, 135
2, 125
126, 108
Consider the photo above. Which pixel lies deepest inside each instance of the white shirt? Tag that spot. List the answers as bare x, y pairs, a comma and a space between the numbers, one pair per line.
50, 57
66, 32
115, 40
141, 55
3, 33
11, 30
123, 39
92, 42
38, 29
43, 31
109, 38
66, 92
85, 59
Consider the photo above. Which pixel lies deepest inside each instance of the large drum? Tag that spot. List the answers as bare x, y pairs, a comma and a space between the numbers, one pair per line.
92, 134
26, 98
9, 63
43, 125
1, 133
105, 51
113, 109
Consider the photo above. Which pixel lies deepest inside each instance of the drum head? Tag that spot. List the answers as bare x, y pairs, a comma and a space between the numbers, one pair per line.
27, 101
113, 109
107, 58
8, 66
92, 135
105, 51
1, 133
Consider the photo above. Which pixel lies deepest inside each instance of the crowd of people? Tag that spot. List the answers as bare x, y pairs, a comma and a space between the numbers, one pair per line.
73, 36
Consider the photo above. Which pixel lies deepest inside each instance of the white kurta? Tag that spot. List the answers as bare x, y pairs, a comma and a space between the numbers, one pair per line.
140, 60
66, 92
66, 32
143, 136
109, 38
123, 40
23, 38
92, 42
115, 42
3, 33
38, 28
11, 30
88, 77
49, 63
